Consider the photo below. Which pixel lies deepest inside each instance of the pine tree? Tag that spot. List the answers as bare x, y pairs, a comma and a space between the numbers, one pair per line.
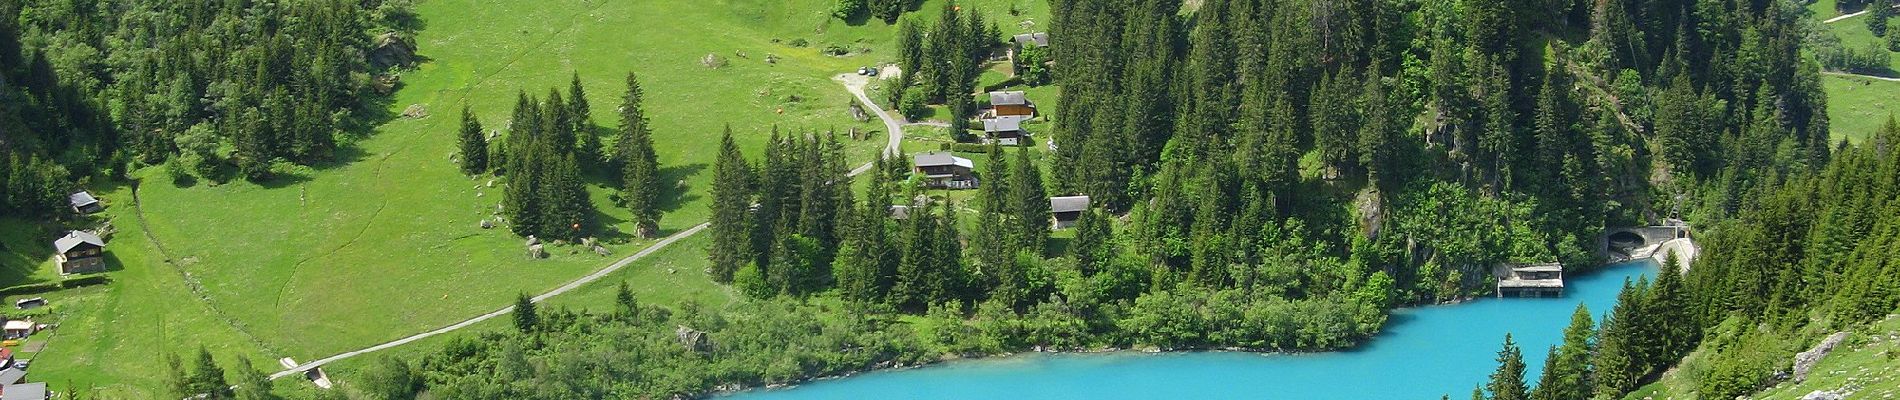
639, 164
1508, 382
1379, 133
1093, 247
474, 144
252, 384
557, 124
1567, 371
207, 378
731, 204
565, 207
525, 318
587, 145
910, 50
1616, 368
1030, 203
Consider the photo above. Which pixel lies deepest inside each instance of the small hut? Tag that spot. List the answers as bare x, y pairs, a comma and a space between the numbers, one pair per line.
1065, 211
84, 203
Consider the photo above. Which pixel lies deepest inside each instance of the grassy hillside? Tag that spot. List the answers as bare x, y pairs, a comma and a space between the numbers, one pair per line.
1864, 365
384, 243
1858, 106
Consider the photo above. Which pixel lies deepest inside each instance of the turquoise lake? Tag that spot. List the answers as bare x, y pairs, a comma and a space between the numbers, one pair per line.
1423, 353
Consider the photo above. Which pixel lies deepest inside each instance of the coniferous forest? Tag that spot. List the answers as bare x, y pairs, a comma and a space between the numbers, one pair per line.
1265, 175
1277, 175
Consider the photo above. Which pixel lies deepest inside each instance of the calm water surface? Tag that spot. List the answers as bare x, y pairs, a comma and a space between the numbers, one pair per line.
1423, 353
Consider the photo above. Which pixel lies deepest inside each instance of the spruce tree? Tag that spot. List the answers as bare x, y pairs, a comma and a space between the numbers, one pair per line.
1616, 368
207, 378
581, 116
1029, 203
557, 124
474, 144
1507, 383
1567, 371
731, 205
525, 317
639, 165
1093, 247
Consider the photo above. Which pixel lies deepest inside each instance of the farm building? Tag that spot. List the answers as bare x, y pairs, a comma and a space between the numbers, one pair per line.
943, 170
1019, 43
1007, 131
85, 203
19, 329
1013, 103
80, 252
1066, 210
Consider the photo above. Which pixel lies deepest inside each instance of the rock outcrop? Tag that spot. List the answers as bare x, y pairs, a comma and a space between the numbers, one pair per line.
1804, 361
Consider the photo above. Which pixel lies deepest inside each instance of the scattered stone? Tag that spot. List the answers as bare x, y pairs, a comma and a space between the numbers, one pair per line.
1824, 395
486, 224
713, 61
415, 111
602, 251
491, 183
1804, 362
537, 252
533, 240
393, 49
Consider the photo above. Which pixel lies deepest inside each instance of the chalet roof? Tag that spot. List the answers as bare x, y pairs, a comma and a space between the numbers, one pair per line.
1038, 39
1007, 123
82, 199
19, 324
938, 159
24, 391
10, 377
1012, 98
75, 238
1068, 204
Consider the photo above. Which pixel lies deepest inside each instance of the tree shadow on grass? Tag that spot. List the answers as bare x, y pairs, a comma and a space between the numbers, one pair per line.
677, 192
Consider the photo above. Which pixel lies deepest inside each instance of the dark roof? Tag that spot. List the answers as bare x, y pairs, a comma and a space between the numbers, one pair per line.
1039, 39
1007, 123
24, 391
1008, 99
1068, 204
82, 199
75, 238
937, 159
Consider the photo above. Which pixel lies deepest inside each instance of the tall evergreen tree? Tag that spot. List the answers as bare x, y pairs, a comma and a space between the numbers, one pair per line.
526, 319
1567, 370
731, 208
581, 116
474, 144
1507, 383
639, 165
1029, 203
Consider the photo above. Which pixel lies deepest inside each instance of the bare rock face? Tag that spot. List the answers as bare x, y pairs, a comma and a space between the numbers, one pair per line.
692, 340
393, 50
1804, 361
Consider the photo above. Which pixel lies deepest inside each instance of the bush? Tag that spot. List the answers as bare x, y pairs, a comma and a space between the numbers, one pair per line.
850, 9
915, 104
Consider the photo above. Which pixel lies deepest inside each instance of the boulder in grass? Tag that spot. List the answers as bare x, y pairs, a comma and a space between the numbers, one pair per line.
487, 224
537, 252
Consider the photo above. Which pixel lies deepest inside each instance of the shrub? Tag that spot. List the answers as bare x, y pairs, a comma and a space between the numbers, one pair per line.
850, 9
915, 104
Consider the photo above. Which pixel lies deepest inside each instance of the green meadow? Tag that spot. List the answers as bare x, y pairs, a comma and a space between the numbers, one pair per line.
384, 242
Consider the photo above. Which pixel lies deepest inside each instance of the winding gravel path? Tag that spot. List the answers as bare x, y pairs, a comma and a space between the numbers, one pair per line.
852, 83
